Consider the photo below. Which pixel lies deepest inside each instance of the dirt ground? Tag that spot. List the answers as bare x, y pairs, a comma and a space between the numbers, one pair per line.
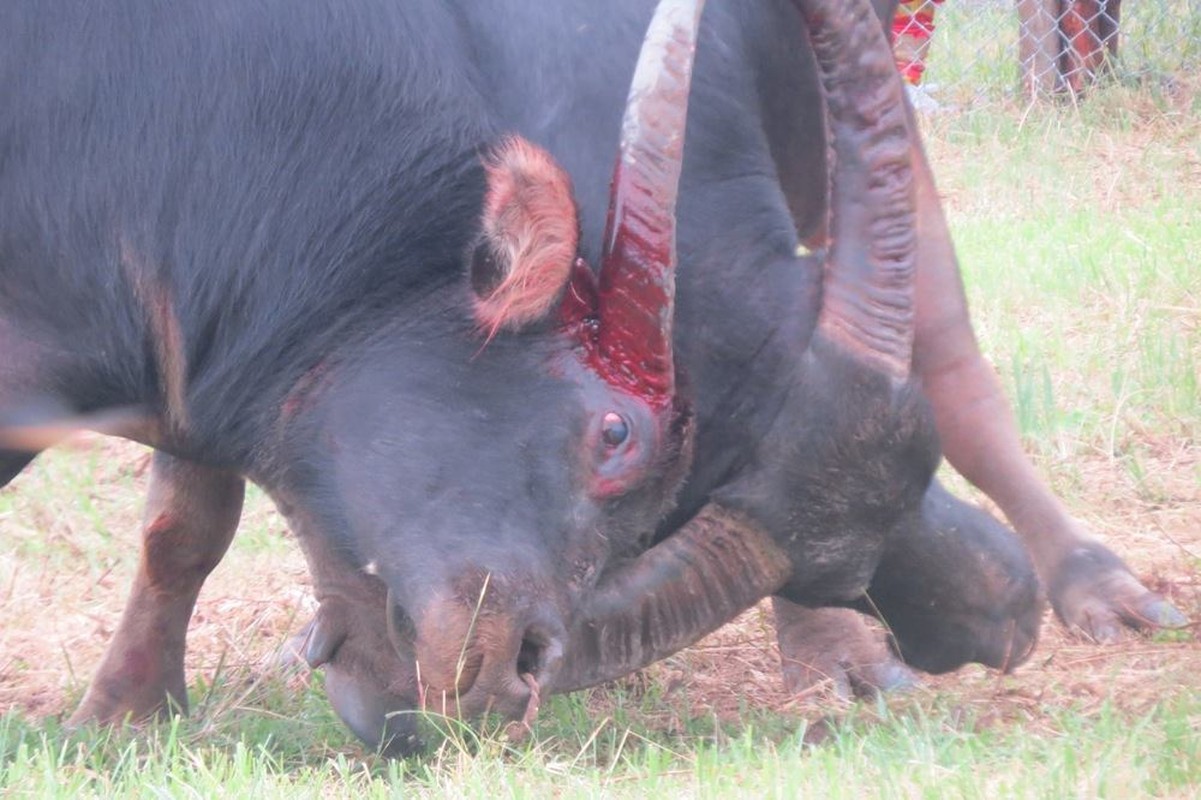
68, 546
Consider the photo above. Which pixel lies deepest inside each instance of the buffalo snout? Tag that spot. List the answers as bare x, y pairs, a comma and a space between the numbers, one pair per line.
484, 647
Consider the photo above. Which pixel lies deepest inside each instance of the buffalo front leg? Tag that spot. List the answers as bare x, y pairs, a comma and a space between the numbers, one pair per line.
191, 515
953, 586
1090, 588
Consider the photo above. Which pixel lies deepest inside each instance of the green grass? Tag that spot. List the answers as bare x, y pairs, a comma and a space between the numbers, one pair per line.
1080, 246
937, 752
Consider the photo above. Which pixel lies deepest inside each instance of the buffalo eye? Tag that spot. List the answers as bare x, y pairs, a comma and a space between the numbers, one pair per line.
614, 429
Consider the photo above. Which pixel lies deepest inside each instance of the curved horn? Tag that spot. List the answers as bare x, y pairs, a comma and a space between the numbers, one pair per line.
867, 305
637, 278
688, 585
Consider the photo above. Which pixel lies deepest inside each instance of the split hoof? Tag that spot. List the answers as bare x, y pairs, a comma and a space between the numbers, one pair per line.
1096, 596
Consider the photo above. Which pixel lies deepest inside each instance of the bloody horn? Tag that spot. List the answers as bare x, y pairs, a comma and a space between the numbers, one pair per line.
637, 279
867, 305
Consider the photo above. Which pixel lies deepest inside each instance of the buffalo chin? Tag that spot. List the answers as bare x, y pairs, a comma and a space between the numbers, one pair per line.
391, 733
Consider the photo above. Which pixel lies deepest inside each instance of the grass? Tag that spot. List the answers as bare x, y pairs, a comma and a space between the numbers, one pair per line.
1080, 239
924, 749
1072, 211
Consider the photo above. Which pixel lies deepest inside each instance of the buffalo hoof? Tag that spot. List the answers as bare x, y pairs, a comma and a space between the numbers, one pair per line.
1094, 593
290, 657
942, 641
997, 624
836, 648
111, 702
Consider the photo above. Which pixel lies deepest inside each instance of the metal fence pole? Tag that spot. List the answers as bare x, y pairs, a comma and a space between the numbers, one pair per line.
1038, 47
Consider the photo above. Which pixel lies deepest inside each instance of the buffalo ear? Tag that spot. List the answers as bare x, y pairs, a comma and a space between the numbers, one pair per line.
322, 638
528, 237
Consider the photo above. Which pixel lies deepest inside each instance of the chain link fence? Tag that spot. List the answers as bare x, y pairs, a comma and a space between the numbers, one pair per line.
964, 51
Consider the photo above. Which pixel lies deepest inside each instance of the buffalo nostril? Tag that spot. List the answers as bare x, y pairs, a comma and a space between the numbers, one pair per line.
529, 657
541, 651
538, 662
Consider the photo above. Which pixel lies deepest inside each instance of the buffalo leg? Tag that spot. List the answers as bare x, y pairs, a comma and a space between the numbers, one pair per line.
836, 645
1091, 589
11, 464
191, 516
953, 586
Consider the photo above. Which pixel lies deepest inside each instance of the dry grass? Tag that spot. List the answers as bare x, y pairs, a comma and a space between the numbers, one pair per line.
70, 529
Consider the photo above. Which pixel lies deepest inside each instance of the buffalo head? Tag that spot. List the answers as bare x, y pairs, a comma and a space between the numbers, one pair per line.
470, 577
461, 477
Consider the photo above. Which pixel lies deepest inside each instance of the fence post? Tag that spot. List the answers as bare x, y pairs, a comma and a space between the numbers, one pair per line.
1108, 27
1039, 47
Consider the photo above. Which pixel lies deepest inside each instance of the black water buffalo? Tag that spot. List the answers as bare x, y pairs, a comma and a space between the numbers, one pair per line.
301, 244
752, 189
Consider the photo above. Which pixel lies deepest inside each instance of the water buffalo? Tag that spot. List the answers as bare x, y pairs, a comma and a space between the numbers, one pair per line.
752, 188
300, 244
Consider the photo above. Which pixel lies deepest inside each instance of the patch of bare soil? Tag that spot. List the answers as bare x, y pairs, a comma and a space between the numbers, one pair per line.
69, 544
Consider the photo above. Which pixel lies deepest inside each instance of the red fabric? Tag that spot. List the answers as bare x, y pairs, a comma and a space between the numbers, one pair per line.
918, 24
911, 71
911, 30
